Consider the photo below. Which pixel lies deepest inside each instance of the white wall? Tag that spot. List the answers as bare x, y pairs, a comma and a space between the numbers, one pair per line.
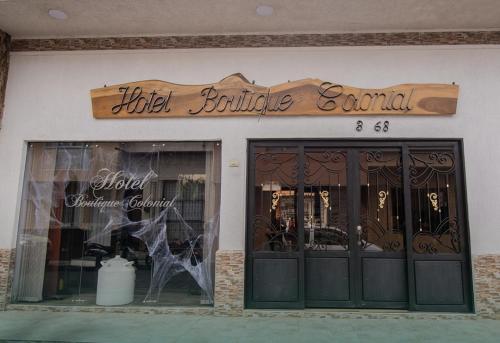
48, 99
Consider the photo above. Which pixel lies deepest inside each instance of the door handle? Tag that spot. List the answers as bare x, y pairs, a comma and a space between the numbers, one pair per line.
359, 231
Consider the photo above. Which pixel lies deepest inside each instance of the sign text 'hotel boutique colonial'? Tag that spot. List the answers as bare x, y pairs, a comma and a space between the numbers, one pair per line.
234, 95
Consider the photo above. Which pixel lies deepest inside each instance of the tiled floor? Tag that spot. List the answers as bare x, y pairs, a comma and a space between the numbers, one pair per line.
123, 328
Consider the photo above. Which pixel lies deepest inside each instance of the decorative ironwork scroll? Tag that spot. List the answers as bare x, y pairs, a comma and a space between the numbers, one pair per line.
382, 210
433, 198
434, 202
275, 216
325, 199
382, 195
275, 201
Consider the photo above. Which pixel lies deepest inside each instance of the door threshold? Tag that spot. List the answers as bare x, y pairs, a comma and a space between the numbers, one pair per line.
358, 310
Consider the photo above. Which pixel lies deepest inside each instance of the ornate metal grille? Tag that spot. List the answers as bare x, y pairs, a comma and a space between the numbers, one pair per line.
381, 210
325, 200
434, 202
275, 217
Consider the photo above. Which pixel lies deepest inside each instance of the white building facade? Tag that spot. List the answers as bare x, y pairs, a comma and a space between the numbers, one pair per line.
48, 106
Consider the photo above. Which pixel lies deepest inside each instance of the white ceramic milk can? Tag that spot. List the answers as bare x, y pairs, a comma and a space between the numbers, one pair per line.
115, 282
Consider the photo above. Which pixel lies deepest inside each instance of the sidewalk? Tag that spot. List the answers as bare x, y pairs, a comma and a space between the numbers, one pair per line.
123, 328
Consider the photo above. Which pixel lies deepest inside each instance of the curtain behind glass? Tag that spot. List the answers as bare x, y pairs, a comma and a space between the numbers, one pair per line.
59, 234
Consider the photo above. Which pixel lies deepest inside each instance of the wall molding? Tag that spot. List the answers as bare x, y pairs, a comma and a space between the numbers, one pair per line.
258, 41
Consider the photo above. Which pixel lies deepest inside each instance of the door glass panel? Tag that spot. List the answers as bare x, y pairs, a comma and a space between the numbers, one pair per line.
275, 215
325, 200
433, 199
381, 210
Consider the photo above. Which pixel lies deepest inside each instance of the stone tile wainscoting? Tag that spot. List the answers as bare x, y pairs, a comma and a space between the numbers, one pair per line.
486, 271
6, 270
229, 282
258, 41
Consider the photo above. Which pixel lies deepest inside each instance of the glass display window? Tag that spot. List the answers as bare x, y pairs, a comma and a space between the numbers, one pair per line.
119, 223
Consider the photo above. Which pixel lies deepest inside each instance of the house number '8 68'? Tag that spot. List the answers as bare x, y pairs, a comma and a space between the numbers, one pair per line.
379, 126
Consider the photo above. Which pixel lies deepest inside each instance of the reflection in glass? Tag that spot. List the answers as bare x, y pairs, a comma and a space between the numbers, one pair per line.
275, 217
153, 204
433, 197
325, 200
382, 210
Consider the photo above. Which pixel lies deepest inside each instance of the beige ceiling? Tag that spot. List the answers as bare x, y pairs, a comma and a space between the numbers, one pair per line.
94, 18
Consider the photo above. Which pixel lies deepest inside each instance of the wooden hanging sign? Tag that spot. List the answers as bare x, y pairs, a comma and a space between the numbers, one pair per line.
235, 96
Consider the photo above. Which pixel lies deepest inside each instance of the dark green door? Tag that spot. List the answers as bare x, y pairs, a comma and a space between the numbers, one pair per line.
332, 224
328, 237
354, 228
275, 258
